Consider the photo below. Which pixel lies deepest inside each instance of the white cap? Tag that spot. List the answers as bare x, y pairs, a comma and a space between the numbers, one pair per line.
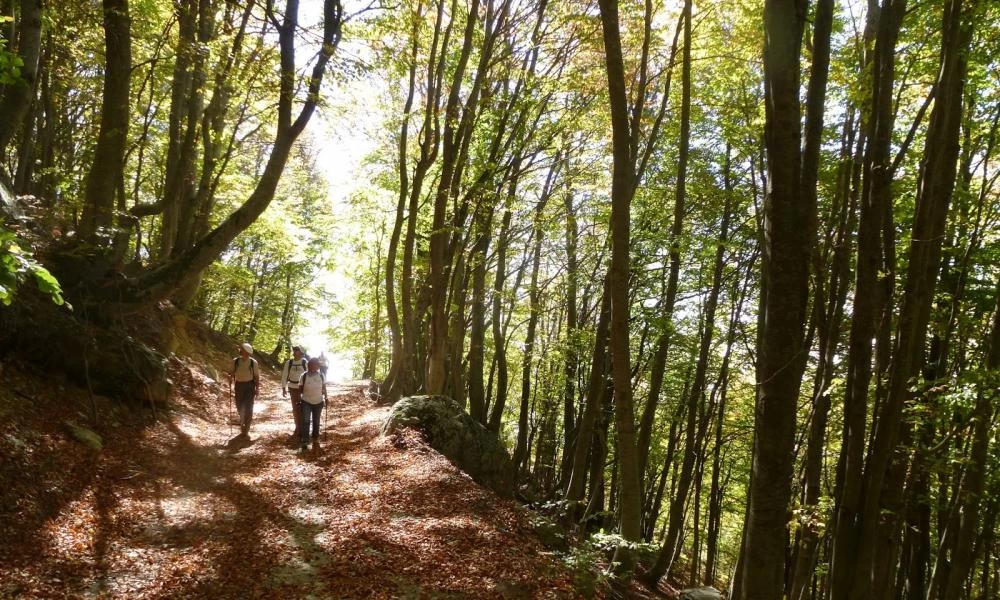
247, 347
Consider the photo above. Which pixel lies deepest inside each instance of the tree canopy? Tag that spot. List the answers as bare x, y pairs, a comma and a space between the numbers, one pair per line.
722, 276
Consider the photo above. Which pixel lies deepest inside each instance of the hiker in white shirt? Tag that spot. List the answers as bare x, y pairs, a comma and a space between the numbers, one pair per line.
245, 376
290, 375
313, 388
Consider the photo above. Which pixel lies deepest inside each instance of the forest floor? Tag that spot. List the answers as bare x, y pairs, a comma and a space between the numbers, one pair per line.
180, 506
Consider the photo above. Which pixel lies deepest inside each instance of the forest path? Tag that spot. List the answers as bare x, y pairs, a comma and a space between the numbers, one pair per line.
180, 509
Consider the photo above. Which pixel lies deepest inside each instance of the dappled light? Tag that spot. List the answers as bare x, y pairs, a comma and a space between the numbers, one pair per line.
182, 509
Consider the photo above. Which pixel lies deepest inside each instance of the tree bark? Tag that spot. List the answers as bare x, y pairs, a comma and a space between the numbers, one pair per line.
109, 155
936, 184
622, 189
15, 98
788, 220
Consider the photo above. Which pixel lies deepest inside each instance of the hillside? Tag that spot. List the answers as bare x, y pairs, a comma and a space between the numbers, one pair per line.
178, 506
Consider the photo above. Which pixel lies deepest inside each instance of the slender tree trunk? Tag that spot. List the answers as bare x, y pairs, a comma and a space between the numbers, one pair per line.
571, 361
496, 317
534, 307
590, 416
477, 331
878, 535
884, 24
622, 188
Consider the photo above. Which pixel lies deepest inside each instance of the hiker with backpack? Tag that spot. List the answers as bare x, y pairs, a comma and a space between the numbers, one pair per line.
290, 375
313, 389
246, 380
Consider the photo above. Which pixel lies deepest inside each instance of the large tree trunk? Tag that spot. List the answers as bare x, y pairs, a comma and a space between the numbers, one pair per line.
109, 155
440, 235
788, 222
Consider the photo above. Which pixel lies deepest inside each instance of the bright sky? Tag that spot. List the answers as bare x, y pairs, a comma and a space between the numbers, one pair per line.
341, 132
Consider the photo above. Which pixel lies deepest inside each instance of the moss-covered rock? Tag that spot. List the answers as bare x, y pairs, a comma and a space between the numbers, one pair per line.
700, 593
461, 439
85, 436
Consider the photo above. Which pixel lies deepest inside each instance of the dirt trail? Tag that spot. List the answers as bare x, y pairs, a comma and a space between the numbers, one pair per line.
182, 510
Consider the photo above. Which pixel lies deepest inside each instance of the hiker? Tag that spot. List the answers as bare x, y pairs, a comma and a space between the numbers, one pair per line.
323, 364
313, 388
290, 375
246, 376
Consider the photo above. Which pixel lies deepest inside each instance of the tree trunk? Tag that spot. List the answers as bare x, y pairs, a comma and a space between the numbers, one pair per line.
15, 98
815, 106
884, 24
587, 424
933, 196
789, 219
440, 235
520, 450
571, 360
109, 155
622, 188
163, 281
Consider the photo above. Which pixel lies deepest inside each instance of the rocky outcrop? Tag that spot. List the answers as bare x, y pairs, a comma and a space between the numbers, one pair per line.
101, 356
452, 432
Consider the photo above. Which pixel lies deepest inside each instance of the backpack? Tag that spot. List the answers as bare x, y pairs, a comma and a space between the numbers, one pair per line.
321, 378
253, 365
291, 362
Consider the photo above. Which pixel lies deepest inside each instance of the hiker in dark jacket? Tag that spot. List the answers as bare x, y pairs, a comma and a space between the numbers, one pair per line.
246, 378
290, 375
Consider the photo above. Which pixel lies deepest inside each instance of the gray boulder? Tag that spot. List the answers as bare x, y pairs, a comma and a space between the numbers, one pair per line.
701, 593
452, 432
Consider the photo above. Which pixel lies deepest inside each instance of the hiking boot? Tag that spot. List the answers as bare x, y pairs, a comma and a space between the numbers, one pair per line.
244, 429
303, 448
315, 444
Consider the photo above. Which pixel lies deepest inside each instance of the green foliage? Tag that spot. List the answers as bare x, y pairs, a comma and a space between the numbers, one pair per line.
10, 63
18, 265
588, 566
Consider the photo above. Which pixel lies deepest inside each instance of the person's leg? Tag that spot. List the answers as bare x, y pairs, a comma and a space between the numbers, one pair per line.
250, 400
244, 392
296, 396
304, 432
317, 413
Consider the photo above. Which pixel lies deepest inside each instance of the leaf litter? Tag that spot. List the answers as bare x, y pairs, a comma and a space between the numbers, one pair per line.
184, 508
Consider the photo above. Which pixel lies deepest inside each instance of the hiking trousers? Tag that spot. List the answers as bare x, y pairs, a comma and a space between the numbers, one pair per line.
244, 401
310, 412
296, 395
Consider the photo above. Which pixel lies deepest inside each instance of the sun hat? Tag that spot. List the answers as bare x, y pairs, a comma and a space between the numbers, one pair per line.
247, 347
